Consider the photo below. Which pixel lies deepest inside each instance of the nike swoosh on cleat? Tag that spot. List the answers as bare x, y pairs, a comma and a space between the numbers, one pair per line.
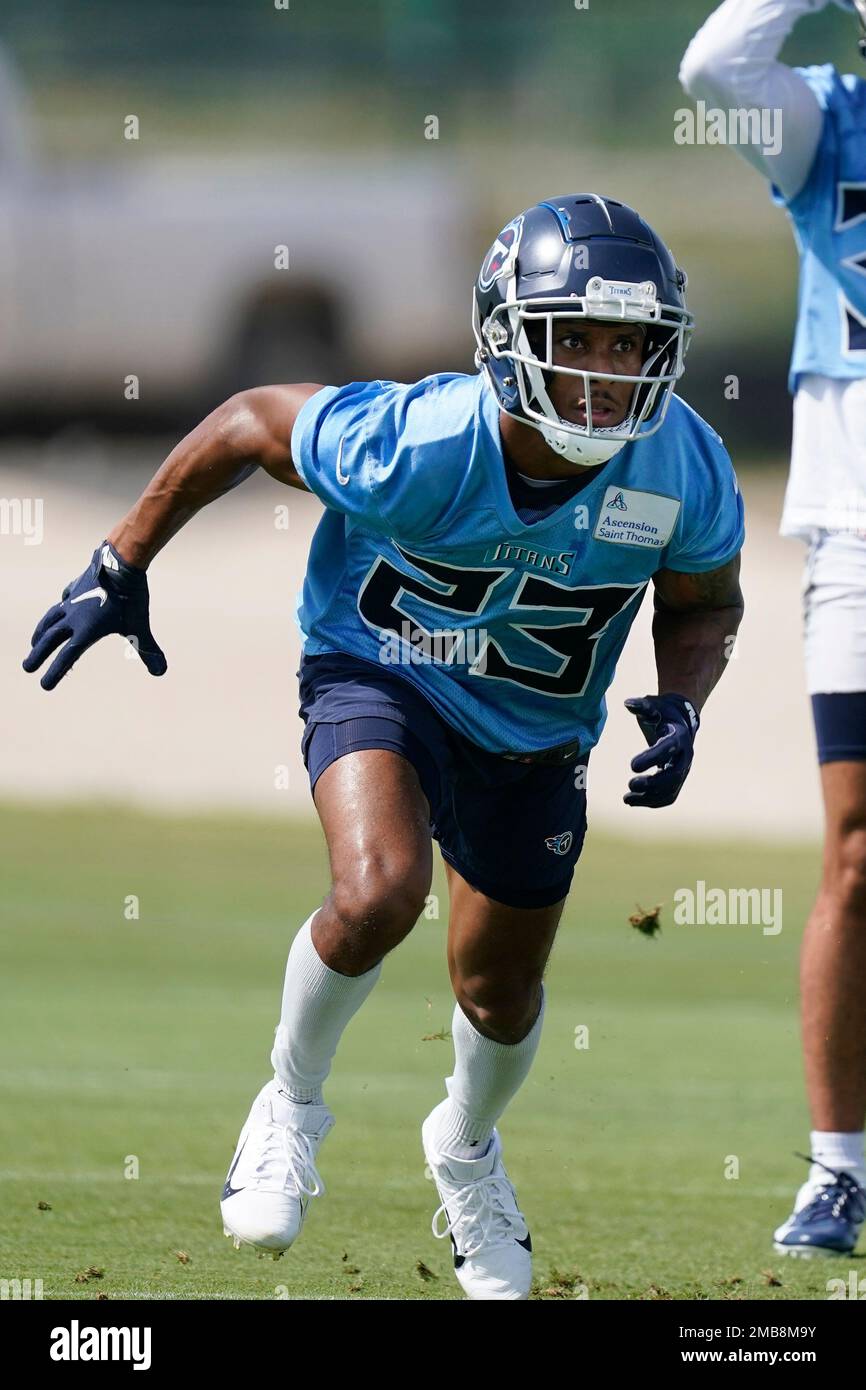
228, 1190
460, 1260
92, 593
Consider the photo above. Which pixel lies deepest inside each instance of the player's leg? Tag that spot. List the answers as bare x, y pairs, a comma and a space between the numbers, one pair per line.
496, 959
508, 878
830, 1207
831, 1204
377, 826
376, 822
833, 966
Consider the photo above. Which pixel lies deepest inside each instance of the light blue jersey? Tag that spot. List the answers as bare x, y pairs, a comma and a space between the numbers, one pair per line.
512, 631
829, 218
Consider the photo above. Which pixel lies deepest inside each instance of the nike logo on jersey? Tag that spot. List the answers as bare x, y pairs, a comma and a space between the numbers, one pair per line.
92, 593
342, 477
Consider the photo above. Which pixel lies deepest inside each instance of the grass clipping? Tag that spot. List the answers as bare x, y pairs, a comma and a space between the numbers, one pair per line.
647, 922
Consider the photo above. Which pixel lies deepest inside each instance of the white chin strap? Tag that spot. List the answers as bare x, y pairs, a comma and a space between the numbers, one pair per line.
587, 451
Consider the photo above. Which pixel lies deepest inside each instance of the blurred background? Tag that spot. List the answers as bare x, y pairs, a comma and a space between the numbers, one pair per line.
139, 287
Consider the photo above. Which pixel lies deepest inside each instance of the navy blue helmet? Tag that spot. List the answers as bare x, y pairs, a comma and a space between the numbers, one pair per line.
579, 256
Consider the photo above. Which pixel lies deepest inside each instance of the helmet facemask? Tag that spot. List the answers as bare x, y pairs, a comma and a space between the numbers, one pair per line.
513, 328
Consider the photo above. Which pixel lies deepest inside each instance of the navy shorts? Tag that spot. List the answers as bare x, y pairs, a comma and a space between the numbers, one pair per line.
513, 830
840, 726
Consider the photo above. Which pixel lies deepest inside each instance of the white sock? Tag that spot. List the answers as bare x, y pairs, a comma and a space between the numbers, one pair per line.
487, 1075
837, 1150
317, 1004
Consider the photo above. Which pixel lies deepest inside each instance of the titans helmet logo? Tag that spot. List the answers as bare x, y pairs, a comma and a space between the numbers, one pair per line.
502, 255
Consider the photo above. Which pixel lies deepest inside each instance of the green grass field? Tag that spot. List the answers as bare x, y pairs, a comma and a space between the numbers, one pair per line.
148, 1039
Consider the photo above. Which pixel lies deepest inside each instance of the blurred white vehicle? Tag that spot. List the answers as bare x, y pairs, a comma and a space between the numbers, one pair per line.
165, 270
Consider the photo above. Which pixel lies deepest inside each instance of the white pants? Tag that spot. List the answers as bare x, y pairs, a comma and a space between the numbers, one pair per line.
834, 612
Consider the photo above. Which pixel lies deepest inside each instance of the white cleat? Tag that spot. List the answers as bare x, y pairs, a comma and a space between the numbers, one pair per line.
491, 1242
273, 1174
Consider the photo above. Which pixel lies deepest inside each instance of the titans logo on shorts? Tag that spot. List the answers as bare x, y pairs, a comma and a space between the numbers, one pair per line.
420, 565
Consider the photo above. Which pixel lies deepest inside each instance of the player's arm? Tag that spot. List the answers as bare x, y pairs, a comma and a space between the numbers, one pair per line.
732, 64
251, 430
694, 627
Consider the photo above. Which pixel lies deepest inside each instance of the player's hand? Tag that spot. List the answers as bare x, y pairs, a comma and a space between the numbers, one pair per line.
669, 724
110, 596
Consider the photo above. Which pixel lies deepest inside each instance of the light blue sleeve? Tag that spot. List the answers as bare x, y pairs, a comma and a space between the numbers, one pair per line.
385, 453
829, 90
329, 449
711, 526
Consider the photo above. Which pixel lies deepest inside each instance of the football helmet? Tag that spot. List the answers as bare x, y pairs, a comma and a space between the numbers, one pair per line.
579, 256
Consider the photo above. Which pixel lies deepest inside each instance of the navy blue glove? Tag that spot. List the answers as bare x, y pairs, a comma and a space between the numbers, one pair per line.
110, 596
669, 724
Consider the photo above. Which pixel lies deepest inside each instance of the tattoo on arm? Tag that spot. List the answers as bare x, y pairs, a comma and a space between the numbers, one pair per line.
694, 627
685, 593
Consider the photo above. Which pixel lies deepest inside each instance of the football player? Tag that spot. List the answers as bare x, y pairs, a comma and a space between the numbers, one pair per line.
486, 543
819, 175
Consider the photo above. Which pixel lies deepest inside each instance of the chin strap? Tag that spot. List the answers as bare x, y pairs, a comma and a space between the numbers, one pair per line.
587, 451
